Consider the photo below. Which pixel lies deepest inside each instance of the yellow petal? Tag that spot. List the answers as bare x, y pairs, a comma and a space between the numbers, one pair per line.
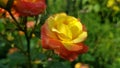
63, 32
80, 38
78, 65
50, 21
76, 28
60, 16
71, 46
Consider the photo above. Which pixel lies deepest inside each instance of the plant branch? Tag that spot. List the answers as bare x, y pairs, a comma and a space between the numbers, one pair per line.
16, 22
28, 43
9, 42
37, 20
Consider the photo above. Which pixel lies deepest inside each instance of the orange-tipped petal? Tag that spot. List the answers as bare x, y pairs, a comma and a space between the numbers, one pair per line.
48, 39
71, 55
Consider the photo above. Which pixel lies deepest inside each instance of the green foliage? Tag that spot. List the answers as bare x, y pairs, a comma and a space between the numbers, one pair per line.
103, 26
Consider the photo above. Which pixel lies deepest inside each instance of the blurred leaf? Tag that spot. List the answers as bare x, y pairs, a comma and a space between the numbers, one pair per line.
1, 26
3, 66
88, 57
67, 64
34, 42
84, 2
3, 63
55, 64
96, 7
18, 59
42, 56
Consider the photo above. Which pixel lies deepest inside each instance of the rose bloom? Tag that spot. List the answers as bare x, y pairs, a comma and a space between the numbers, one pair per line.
29, 7
81, 65
12, 50
65, 35
1, 12
30, 24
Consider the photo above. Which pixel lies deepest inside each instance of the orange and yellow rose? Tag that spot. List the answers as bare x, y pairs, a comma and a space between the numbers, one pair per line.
29, 7
65, 35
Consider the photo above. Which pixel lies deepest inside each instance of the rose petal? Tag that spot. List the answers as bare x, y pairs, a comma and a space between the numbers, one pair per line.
29, 8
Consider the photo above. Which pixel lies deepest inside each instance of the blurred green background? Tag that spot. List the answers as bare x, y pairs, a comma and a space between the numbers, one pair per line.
102, 20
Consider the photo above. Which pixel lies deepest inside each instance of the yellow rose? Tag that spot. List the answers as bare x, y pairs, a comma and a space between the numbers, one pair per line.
116, 8
110, 3
78, 65
81, 65
64, 34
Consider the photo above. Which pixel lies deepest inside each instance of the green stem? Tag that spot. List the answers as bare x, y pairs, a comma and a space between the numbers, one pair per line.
16, 22
28, 38
28, 50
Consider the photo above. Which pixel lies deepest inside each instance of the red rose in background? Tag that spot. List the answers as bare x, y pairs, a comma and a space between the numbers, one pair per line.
29, 7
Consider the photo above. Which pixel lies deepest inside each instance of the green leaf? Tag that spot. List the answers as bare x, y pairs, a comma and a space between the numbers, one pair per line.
3, 66
88, 57
16, 59
3, 63
55, 64
42, 56
96, 7
1, 26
